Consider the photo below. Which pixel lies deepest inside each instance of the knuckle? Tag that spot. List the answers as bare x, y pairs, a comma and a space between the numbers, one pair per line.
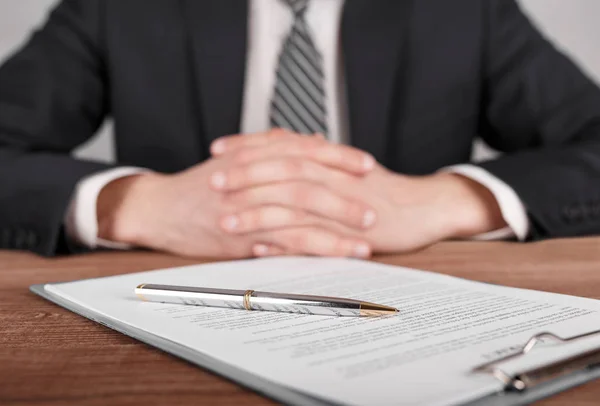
343, 178
311, 143
244, 140
294, 167
255, 173
282, 216
354, 211
336, 153
237, 199
298, 216
242, 156
305, 167
350, 156
234, 177
300, 240
254, 219
312, 147
277, 134
338, 247
278, 131
303, 194
265, 216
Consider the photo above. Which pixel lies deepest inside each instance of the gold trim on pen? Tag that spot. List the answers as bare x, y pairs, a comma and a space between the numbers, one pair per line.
247, 295
373, 310
139, 294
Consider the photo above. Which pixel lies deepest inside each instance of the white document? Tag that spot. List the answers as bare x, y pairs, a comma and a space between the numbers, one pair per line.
422, 355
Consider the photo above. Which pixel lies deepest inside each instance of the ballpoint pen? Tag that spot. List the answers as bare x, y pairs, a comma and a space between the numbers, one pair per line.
265, 301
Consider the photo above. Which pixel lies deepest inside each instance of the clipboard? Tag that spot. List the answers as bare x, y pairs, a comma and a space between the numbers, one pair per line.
525, 388
543, 381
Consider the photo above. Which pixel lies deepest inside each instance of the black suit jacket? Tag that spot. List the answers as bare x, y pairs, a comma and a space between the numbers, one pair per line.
424, 78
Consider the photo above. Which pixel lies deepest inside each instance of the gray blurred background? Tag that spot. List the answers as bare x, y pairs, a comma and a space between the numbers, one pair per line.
572, 24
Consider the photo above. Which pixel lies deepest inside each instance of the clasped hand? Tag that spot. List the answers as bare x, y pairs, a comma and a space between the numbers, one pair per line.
280, 193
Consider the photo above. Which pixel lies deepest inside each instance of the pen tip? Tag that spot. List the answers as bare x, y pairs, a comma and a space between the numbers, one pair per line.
372, 309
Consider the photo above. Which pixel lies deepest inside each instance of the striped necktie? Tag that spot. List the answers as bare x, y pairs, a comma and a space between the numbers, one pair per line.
298, 102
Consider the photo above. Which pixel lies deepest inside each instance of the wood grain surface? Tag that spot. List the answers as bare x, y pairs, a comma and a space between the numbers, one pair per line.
49, 356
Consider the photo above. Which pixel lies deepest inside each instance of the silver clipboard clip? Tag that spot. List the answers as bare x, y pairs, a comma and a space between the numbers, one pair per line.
538, 375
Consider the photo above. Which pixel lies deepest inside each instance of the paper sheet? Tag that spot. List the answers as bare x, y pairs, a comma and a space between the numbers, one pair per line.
423, 355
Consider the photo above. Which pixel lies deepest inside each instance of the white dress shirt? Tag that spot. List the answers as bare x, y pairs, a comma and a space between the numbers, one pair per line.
269, 23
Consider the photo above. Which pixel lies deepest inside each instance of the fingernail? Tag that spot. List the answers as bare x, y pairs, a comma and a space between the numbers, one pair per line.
368, 163
369, 219
362, 251
231, 223
218, 180
260, 250
218, 147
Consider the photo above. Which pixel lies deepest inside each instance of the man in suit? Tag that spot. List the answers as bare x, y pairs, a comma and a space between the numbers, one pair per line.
268, 127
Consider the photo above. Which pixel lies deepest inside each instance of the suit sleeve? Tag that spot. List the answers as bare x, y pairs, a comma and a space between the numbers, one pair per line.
544, 113
52, 99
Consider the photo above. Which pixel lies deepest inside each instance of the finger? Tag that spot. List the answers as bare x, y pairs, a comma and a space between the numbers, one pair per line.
341, 157
266, 218
275, 217
263, 250
273, 171
315, 241
305, 196
230, 143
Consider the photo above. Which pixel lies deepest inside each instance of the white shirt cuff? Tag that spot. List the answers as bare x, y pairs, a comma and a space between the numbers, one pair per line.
81, 220
512, 208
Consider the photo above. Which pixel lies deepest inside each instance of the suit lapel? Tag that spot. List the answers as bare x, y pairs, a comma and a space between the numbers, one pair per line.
373, 39
218, 31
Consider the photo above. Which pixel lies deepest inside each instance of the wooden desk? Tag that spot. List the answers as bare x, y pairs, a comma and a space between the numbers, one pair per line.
49, 356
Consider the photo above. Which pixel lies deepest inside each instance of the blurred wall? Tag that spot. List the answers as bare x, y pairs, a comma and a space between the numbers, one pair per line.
572, 24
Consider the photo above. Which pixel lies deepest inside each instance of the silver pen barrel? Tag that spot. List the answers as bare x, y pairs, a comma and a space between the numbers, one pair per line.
261, 301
